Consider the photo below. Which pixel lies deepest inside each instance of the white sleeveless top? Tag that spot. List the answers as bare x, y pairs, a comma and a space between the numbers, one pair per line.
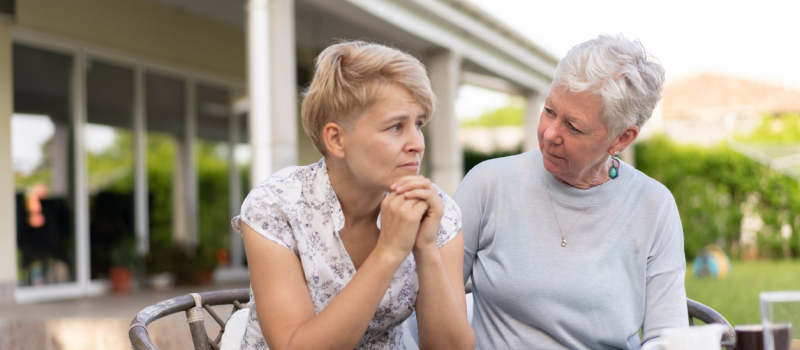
298, 209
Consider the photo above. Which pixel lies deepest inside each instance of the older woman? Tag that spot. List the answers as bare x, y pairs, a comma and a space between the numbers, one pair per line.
567, 246
338, 257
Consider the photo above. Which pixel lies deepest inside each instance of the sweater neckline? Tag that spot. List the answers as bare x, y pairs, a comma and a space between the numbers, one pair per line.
566, 193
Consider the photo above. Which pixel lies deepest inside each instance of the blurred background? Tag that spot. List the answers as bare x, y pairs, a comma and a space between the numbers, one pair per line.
724, 139
133, 129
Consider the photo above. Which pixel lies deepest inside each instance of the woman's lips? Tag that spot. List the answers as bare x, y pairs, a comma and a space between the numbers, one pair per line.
553, 155
410, 166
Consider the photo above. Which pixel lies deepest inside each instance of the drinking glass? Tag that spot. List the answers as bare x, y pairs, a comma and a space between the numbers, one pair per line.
780, 315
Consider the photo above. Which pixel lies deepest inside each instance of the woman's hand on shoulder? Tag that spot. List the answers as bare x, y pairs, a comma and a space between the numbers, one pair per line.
420, 188
400, 221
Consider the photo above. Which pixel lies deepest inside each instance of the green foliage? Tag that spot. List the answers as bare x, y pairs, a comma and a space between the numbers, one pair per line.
714, 187
186, 265
124, 255
775, 129
212, 180
160, 162
736, 297
511, 115
111, 171
473, 158
213, 213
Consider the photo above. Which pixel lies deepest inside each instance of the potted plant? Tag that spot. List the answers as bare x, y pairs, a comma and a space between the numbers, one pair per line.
125, 262
189, 266
205, 260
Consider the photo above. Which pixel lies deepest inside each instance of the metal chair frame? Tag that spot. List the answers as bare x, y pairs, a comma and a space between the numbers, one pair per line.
193, 304
708, 315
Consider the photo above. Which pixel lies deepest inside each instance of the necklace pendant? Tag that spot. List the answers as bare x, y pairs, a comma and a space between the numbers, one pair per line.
563, 242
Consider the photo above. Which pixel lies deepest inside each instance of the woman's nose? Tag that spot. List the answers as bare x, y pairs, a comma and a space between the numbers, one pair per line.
551, 134
416, 141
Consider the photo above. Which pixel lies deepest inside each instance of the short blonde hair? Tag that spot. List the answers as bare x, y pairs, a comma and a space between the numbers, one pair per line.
346, 82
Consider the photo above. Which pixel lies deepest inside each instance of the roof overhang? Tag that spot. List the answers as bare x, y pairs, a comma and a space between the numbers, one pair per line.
464, 29
488, 46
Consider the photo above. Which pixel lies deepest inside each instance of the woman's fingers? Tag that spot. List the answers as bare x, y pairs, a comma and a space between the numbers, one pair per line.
400, 221
423, 194
419, 208
429, 195
396, 208
408, 183
386, 203
410, 207
405, 179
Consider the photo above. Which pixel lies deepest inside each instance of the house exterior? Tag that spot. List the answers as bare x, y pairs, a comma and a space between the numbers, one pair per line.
201, 77
706, 109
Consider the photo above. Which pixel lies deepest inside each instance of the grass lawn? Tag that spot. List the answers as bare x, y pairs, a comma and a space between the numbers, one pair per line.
736, 297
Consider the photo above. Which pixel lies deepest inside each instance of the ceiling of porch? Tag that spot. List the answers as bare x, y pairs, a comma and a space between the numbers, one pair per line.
320, 23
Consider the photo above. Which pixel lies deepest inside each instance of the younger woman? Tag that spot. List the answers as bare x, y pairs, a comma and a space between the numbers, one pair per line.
341, 252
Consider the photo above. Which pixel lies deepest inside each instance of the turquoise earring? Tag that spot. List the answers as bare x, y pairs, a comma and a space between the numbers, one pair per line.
613, 173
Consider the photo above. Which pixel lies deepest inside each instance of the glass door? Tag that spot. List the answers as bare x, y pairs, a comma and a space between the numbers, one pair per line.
42, 150
109, 153
213, 154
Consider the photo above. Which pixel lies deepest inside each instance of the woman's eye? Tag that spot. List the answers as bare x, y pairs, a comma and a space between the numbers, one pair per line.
572, 127
395, 127
420, 125
548, 111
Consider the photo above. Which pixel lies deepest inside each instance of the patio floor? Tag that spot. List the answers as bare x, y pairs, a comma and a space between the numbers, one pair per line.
99, 322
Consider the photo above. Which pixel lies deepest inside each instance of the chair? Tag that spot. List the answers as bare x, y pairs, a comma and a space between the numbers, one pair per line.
708, 315
696, 311
193, 304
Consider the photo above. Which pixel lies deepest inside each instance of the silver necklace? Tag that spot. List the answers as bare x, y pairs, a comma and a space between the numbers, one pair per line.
563, 236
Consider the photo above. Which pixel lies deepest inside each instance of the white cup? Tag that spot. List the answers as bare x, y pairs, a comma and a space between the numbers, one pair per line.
707, 337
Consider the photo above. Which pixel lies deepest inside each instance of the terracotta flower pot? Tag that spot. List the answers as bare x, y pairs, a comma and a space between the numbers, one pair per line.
121, 279
205, 276
223, 259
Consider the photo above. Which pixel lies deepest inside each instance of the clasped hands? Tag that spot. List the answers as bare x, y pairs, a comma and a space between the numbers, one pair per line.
410, 216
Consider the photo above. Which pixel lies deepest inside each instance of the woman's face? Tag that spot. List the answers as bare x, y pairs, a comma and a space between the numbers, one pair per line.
572, 137
386, 143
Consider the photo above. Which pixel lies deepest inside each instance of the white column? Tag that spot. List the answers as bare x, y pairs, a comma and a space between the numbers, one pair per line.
234, 188
283, 74
78, 101
533, 110
190, 199
259, 87
8, 218
442, 147
140, 202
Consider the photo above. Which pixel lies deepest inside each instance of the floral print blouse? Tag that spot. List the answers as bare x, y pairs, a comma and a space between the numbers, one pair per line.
298, 209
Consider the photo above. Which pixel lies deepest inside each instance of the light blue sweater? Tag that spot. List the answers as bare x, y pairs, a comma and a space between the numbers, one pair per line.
622, 269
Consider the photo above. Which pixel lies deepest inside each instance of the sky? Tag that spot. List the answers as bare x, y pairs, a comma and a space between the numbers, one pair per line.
756, 40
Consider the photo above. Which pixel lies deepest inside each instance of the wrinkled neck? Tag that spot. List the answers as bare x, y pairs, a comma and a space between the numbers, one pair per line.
594, 176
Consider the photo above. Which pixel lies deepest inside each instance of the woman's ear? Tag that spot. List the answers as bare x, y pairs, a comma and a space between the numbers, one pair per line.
626, 139
333, 135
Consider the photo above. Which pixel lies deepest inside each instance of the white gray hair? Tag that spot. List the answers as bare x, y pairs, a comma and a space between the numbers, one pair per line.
620, 72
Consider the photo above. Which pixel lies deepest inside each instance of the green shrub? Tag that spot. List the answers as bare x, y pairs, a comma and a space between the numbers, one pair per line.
713, 187
511, 115
187, 266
